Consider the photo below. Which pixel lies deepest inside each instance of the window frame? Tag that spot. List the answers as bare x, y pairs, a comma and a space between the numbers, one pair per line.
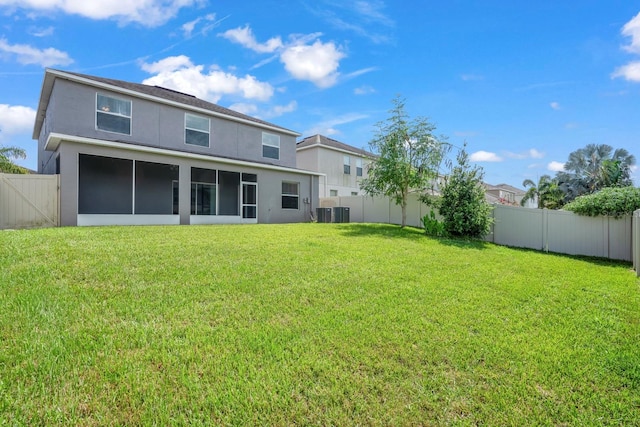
208, 132
290, 196
346, 162
267, 144
358, 167
130, 116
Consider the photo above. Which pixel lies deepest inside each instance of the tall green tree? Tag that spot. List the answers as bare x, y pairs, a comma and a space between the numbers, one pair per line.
463, 206
409, 156
593, 168
7, 156
546, 193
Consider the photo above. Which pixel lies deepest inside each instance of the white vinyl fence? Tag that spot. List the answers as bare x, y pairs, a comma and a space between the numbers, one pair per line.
379, 209
29, 201
553, 231
562, 232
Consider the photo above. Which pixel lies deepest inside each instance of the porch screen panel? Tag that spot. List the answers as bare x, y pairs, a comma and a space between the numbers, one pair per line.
154, 188
229, 193
203, 191
105, 185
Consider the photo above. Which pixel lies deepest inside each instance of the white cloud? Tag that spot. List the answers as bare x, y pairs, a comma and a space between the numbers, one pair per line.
189, 27
28, 55
146, 12
269, 113
630, 72
244, 37
328, 127
555, 105
485, 156
365, 18
535, 154
632, 29
305, 57
571, 125
364, 90
15, 119
317, 63
244, 108
555, 166
41, 32
179, 73
529, 154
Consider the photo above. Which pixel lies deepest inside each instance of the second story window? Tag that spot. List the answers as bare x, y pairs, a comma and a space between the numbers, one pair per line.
113, 114
347, 165
359, 167
270, 145
196, 130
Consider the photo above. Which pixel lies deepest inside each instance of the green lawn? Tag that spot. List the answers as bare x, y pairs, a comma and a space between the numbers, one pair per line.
310, 324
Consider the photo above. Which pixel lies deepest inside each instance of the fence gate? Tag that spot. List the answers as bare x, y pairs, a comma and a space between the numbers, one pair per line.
29, 201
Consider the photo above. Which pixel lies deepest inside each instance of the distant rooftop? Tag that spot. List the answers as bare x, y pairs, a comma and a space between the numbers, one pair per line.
323, 140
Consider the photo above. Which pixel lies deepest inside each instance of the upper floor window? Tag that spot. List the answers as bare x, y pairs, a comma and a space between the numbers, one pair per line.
270, 145
113, 114
196, 130
347, 165
358, 167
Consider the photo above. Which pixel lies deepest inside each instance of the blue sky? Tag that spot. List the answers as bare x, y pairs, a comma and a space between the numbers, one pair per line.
523, 83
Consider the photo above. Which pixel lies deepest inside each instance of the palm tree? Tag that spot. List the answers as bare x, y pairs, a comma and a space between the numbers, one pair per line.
593, 168
7, 154
546, 192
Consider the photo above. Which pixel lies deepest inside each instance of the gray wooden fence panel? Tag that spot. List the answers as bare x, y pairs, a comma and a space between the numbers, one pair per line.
28, 201
572, 234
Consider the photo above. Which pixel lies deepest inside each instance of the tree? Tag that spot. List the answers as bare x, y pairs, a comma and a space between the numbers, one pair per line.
593, 168
463, 206
7, 154
547, 192
409, 156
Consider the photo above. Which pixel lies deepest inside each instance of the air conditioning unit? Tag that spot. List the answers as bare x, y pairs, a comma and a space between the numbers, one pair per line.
323, 214
341, 214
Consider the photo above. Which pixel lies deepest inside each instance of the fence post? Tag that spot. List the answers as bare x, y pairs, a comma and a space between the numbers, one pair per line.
635, 241
545, 229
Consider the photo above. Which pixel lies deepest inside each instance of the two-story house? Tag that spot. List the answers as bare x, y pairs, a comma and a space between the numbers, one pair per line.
343, 166
129, 153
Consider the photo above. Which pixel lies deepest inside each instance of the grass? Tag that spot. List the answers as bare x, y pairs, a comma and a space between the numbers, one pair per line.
310, 324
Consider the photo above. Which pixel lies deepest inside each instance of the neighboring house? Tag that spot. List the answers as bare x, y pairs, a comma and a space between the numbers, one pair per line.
504, 194
129, 153
343, 166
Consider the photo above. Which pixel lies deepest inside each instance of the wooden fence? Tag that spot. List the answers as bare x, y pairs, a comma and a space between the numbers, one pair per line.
29, 201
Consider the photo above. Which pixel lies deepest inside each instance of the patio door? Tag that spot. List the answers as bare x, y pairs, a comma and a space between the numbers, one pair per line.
249, 196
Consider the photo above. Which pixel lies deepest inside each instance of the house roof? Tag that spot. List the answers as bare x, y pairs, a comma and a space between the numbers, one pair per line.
511, 188
505, 187
155, 93
316, 140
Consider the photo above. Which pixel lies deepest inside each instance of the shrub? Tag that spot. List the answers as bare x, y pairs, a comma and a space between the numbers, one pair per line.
463, 207
611, 201
433, 227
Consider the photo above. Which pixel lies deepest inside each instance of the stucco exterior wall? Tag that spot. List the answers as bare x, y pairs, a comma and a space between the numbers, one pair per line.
72, 111
269, 209
331, 162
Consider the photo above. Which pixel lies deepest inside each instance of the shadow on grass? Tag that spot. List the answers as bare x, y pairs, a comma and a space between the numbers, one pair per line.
393, 231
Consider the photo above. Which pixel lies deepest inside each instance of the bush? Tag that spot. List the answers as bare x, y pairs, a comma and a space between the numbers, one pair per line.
611, 201
433, 227
463, 207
